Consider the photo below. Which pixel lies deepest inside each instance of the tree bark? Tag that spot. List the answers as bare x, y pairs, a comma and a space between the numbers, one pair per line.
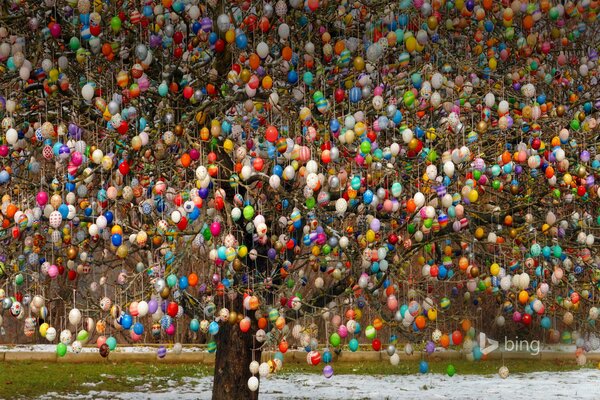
232, 362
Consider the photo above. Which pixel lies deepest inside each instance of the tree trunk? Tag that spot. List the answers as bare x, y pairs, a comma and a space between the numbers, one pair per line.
232, 363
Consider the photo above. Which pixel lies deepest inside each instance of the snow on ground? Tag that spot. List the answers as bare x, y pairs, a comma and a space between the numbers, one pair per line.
539, 385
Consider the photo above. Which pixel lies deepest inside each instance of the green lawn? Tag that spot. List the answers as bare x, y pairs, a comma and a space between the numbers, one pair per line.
32, 379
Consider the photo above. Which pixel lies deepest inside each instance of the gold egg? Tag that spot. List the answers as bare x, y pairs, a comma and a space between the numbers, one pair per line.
560, 110
481, 126
72, 252
165, 293
178, 130
232, 317
237, 265
581, 171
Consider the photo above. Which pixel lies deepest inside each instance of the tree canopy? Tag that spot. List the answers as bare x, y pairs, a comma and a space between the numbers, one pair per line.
323, 173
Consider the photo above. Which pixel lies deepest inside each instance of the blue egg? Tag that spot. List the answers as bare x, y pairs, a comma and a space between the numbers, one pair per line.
355, 95
63, 209
442, 272
241, 41
334, 125
213, 328
138, 328
194, 214
423, 367
307, 78
126, 321
116, 239
147, 11
183, 283
194, 325
546, 323
292, 77
4, 176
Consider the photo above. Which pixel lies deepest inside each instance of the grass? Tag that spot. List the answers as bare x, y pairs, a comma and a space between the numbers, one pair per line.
33, 379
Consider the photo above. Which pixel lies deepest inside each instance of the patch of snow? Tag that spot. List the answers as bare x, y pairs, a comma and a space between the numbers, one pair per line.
531, 386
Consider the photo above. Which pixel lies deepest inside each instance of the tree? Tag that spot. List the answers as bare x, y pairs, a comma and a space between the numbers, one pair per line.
259, 176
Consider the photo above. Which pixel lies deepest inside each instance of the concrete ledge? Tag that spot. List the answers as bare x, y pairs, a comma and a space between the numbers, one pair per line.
348, 356
80, 358
29, 356
292, 356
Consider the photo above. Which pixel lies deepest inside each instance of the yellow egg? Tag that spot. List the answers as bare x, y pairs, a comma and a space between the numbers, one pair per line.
43, 329
370, 236
411, 44
228, 145
494, 269
230, 36
473, 196
432, 314
53, 75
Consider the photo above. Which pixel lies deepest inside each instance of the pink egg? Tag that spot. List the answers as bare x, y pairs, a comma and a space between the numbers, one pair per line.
135, 337
170, 330
215, 228
42, 198
76, 158
100, 341
53, 271
194, 154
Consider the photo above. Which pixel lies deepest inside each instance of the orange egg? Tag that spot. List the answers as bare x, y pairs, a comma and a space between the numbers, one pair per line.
528, 22
193, 279
445, 341
420, 322
11, 210
286, 53
267, 82
523, 296
465, 324
339, 47
280, 322
377, 323
262, 323
463, 263
254, 61
186, 160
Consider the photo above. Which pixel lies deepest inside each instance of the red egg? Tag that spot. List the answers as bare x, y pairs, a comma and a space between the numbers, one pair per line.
172, 309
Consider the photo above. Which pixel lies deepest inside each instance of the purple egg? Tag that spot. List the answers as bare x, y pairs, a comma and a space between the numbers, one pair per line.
152, 306
203, 193
585, 156
328, 371
272, 253
206, 24
161, 352
430, 347
155, 41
